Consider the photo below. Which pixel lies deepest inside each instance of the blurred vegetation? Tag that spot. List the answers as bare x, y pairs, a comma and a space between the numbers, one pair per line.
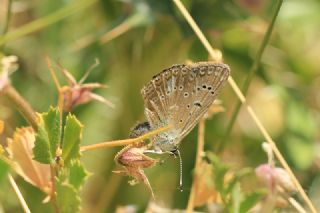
152, 35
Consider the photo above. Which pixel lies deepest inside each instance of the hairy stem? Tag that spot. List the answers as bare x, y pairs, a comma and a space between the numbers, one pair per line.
21, 105
53, 199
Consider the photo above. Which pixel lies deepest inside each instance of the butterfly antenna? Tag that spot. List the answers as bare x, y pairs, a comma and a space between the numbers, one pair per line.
180, 163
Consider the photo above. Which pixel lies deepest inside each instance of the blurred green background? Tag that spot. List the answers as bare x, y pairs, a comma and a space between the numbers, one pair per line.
153, 36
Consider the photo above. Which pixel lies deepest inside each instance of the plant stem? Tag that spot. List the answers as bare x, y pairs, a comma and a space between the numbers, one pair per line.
8, 18
123, 142
19, 194
53, 193
40, 23
21, 105
252, 71
200, 147
242, 98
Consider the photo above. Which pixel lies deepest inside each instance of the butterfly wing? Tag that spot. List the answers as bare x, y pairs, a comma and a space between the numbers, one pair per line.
206, 81
181, 94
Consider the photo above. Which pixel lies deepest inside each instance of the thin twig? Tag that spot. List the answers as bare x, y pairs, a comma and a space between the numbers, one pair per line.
43, 22
200, 148
250, 76
119, 30
19, 194
123, 142
296, 205
238, 92
21, 105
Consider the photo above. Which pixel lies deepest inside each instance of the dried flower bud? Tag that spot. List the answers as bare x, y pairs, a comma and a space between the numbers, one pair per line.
133, 160
77, 93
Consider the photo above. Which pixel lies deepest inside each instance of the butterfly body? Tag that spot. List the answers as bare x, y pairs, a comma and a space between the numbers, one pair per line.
180, 96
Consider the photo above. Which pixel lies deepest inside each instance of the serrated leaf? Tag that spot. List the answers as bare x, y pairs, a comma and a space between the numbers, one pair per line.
41, 149
20, 151
52, 125
48, 135
67, 197
71, 139
4, 168
77, 174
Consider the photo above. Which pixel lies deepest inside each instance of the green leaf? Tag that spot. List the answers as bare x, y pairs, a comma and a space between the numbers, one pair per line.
67, 197
71, 139
78, 174
236, 178
47, 137
41, 149
52, 125
236, 198
251, 200
4, 168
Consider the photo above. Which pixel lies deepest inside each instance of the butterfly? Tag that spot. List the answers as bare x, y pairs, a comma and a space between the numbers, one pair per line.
179, 96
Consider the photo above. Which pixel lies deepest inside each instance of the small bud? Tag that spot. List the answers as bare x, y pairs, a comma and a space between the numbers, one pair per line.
265, 174
284, 180
275, 177
132, 159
